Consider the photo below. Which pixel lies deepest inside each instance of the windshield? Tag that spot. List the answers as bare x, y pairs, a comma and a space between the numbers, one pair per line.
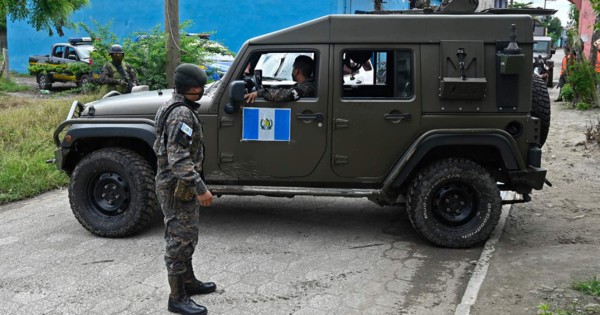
84, 51
541, 47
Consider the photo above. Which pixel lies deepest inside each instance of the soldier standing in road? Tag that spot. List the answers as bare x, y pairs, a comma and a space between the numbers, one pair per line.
302, 73
180, 185
117, 75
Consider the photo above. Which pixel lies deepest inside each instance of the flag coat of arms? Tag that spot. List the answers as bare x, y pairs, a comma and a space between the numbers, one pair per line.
266, 124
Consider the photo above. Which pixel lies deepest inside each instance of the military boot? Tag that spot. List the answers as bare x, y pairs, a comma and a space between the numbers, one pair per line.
180, 302
194, 286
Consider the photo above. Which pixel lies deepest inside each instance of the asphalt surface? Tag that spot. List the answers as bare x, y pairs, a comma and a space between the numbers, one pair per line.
302, 255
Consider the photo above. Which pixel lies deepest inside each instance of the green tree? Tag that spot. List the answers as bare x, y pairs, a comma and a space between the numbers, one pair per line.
554, 28
41, 14
146, 52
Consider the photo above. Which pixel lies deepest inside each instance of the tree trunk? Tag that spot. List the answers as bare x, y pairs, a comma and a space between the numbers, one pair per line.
172, 39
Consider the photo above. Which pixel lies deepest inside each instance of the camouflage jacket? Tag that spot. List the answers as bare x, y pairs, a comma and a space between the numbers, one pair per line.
181, 157
305, 89
112, 74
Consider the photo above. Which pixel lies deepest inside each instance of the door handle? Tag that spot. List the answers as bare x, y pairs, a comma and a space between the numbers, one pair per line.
317, 116
397, 117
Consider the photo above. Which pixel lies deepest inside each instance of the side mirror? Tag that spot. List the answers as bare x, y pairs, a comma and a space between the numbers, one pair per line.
552, 52
236, 96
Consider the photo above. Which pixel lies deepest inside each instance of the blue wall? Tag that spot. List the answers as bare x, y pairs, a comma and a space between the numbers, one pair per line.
233, 21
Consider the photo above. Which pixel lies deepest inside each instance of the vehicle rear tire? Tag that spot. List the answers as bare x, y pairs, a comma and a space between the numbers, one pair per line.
44, 81
540, 106
112, 192
454, 203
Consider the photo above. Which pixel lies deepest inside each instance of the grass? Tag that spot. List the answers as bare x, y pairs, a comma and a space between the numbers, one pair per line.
11, 86
26, 128
590, 286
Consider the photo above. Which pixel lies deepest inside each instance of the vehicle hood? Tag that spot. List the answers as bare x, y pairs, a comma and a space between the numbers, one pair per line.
136, 105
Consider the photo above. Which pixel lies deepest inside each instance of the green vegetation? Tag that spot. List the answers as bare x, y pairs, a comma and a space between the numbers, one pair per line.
590, 286
47, 15
26, 128
74, 68
566, 92
148, 54
11, 86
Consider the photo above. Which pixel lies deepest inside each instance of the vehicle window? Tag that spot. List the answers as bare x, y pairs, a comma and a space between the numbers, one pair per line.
276, 67
71, 52
58, 51
377, 73
541, 47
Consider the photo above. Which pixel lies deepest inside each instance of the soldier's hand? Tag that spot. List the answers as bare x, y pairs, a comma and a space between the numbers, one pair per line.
205, 199
123, 83
250, 97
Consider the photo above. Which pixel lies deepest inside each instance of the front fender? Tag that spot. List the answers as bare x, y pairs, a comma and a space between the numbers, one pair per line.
145, 132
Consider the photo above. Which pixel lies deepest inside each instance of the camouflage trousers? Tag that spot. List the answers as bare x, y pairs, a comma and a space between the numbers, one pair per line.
181, 229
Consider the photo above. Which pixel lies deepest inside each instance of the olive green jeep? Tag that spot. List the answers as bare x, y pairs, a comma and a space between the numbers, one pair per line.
437, 112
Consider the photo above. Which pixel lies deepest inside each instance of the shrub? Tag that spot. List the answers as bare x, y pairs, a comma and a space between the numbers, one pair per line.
566, 92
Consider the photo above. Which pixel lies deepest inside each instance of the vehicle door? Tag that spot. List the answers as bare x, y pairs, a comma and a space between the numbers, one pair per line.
376, 107
244, 150
57, 56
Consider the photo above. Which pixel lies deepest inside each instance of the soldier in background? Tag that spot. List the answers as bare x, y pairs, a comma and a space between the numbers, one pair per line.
180, 186
117, 75
302, 73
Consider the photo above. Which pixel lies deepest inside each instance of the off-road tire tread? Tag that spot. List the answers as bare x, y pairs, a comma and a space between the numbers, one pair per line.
472, 173
540, 106
135, 164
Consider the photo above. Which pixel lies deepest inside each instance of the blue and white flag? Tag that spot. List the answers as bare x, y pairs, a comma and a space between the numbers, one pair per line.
266, 124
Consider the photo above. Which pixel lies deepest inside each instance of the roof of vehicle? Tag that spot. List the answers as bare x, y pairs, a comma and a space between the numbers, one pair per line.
409, 28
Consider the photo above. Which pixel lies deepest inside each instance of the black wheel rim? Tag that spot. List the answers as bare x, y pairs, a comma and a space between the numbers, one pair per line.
109, 194
454, 204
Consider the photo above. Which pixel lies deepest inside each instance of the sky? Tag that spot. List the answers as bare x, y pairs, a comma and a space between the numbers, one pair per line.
561, 5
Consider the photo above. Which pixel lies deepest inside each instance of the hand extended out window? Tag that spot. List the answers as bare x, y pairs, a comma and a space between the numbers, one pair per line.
377, 74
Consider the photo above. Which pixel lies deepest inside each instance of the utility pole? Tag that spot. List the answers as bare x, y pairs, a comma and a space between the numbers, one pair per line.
377, 5
172, 38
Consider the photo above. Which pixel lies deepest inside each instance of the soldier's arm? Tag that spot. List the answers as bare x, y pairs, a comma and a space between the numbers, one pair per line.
178, 150
280, 95
106, 77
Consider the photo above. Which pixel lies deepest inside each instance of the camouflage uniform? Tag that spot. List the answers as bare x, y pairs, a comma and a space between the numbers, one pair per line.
305, 89
112, 75
178, 180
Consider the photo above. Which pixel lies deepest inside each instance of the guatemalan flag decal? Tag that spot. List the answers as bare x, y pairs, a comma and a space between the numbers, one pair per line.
266, 124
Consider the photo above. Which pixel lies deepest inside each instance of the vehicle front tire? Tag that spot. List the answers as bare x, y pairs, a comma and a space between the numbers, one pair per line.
112, 192
83, 80
454, 203
44, 81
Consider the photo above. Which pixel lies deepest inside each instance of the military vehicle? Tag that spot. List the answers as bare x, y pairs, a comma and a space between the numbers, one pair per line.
450, 117
542, 57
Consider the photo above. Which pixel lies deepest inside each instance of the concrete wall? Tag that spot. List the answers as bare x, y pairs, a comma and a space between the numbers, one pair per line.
233, 21
586, 25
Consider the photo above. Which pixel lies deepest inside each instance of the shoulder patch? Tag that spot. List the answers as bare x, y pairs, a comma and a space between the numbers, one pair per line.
186, 129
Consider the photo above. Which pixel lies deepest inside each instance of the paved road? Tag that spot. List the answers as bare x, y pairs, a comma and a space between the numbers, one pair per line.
269, 256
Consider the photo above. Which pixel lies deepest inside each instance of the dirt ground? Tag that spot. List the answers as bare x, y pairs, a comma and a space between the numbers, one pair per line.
553, 240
